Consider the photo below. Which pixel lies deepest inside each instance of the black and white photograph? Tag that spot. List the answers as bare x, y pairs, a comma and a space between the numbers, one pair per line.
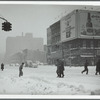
50, 48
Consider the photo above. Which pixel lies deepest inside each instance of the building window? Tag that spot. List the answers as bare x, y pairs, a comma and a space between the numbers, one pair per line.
96, 43
88, 44
68, 34
92, 44
84, 43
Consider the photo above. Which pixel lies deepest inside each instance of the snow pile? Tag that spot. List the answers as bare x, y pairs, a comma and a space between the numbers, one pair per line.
43, 81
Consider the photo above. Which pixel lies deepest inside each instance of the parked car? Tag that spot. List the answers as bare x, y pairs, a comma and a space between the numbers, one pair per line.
11, 64
35, 65
29, 63
17, 64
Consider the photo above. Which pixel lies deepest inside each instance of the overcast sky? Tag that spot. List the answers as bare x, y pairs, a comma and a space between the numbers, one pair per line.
31, 18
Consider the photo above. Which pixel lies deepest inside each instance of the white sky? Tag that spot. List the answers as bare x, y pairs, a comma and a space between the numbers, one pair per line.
32, 18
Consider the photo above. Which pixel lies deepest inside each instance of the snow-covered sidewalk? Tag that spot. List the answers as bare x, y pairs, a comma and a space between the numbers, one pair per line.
43, 81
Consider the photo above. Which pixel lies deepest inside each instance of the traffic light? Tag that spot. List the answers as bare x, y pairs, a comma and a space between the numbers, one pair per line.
6, 26
3, 26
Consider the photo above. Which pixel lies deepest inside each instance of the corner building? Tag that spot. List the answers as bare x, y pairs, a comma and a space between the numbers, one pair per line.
75, 38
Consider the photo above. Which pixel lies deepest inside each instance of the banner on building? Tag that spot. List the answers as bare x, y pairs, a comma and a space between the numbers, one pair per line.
67, 25
89, 23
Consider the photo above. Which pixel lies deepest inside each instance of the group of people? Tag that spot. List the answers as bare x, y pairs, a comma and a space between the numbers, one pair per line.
60, 68
97, 67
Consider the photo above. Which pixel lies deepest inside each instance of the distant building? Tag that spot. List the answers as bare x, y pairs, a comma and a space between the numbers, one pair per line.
45, 48
33, 55
19, 43
75, 38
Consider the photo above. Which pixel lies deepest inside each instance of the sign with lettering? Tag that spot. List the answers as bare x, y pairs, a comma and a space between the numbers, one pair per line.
67, 27
89, 23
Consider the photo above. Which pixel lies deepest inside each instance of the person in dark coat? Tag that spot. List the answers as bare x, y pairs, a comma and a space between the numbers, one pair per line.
85, 67
20, 70
62, 68
2, 66
58, 68
98, 67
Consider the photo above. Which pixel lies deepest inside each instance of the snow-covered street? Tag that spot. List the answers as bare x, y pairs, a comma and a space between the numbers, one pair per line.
43, 81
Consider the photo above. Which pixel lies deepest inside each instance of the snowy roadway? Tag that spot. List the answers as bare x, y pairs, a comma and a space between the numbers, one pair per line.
43, 81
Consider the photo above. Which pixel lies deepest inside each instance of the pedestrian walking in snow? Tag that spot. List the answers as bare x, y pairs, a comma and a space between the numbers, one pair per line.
62, 68
20, 70
2, 66
85, 67
98, 67
58, 68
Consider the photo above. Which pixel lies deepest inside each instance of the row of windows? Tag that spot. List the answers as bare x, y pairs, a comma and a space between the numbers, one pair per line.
76, 44
92, 43
82, 43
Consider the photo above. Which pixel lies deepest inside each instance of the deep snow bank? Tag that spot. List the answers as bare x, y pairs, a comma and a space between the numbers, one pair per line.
43, 81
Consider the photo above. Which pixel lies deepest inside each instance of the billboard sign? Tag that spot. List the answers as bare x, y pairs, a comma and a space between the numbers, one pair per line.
67, 27
89, 24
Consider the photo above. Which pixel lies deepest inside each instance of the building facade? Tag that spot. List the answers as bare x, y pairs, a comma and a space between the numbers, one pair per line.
77, 38
20, 43
25, 55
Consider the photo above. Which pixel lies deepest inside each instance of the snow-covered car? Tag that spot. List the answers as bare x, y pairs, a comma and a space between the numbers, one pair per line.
29, 63
11, 64
35, 65
17, 64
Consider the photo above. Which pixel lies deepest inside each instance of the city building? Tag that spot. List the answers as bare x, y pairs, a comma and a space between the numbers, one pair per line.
25, 55
75, 38
20, 43
45, 48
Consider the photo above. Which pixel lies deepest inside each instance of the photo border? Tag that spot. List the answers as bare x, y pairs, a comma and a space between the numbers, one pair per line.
50, 97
